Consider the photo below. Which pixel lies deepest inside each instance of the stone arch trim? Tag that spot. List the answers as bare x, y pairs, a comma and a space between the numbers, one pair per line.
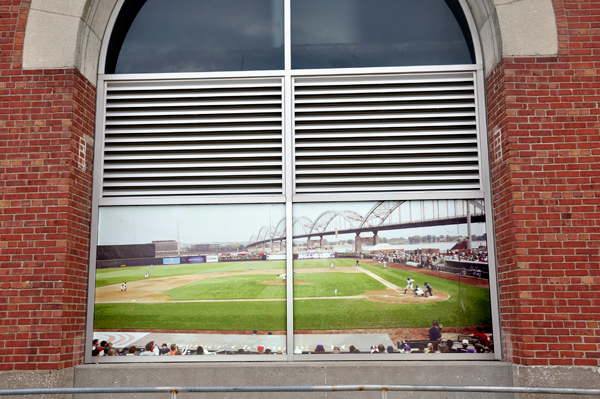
66, 34
514, 28
63, 34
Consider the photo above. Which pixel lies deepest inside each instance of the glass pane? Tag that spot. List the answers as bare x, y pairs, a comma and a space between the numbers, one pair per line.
185, 275
369, 33
377, 274
200, 36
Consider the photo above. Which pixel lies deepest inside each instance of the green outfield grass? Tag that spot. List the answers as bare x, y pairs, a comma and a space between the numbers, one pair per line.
118, 275
264, 316
251, 286
467, 306
308, 263
232, 287
363, 313
325, 284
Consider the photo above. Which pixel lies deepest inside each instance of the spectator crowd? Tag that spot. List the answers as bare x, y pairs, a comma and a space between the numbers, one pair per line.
478, 342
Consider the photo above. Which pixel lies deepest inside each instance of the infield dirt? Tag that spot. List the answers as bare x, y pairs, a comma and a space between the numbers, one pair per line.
149, 290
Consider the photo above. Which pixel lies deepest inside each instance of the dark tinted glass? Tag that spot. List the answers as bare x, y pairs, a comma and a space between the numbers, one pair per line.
369, 33
198, 36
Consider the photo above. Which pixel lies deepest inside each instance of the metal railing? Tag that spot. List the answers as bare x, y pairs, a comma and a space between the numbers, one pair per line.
174, 390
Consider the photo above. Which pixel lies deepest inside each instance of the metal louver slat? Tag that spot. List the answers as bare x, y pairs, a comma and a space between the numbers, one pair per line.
404, 124
350, 116
388, 79
122, 147
368, 152
381, 107
387, 143
176, 138
182, 190
386, 169
193, 137
386, 160
191, 165
412, 97
177, 94
168, 157
225, 130
203, 173
385, 133
186, 112
391, 133
426, 186
229, 119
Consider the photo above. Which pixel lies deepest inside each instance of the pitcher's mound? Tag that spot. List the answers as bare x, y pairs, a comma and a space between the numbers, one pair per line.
393, 296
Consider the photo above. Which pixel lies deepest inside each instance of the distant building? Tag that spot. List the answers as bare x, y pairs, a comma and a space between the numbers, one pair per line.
205, 247
167, 248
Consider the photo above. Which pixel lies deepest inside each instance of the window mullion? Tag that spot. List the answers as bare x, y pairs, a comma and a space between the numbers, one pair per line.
287, 35
288, 156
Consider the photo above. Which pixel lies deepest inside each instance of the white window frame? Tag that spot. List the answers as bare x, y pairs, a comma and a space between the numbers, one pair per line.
289, 197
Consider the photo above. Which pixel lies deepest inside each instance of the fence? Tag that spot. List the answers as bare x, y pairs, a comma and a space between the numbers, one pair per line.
173, 391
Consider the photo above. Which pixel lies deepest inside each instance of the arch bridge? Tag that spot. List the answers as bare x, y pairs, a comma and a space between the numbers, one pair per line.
384, 215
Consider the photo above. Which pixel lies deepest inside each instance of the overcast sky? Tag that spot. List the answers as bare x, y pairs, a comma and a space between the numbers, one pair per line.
237, 223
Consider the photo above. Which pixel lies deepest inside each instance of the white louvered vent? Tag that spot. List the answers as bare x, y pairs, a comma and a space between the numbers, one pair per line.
385, 133
196, 137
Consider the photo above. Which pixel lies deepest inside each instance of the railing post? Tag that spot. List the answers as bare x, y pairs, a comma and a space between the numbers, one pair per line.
174, 394
384, 392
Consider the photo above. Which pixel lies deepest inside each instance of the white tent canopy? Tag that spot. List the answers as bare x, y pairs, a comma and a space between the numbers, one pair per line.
384, 247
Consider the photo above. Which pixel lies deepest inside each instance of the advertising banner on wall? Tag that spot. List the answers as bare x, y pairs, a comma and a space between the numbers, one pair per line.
171, 261
315, 255
212, 258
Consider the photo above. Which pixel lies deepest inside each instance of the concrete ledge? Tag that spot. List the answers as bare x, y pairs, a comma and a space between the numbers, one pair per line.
556, 377
300, 373
307, 373
37, 379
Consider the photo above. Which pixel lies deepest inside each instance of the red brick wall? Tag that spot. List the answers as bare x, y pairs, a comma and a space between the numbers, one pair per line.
545, 159
46, 141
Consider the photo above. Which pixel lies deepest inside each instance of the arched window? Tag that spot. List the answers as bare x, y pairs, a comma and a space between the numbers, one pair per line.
336, 142
158, 36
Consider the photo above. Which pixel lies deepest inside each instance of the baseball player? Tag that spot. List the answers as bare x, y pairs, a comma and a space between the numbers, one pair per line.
419, 291
409, 284
428, 290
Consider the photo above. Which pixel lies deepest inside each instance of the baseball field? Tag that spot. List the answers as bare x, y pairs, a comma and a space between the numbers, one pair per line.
231, 296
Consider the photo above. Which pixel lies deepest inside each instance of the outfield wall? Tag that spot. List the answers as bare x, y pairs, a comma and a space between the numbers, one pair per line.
106, 264
108, 252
